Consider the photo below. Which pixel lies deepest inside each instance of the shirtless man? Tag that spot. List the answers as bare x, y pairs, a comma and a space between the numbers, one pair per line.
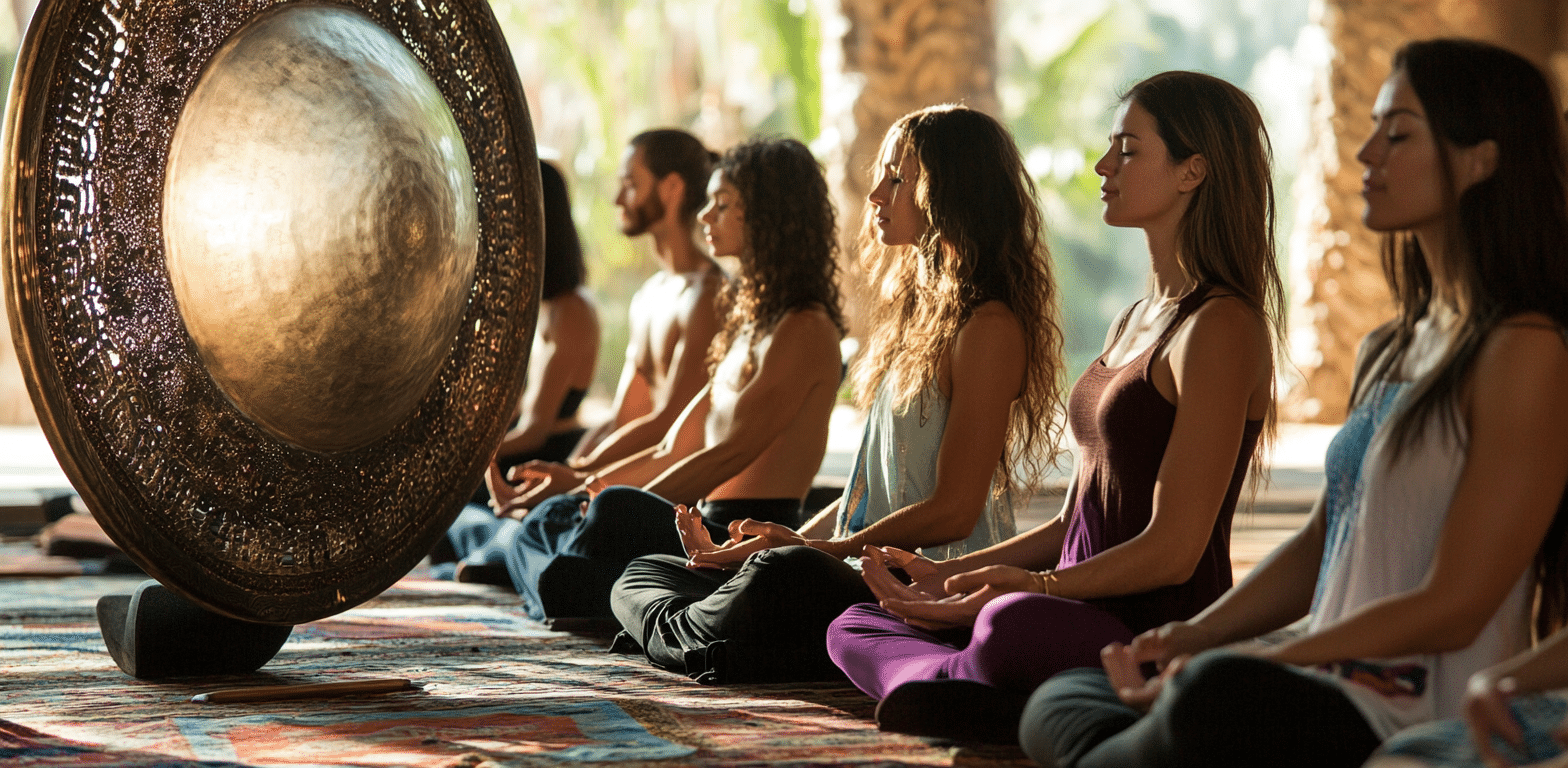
672, 317
748, 446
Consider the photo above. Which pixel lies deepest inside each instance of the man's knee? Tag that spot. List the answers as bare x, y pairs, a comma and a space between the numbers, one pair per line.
624, 500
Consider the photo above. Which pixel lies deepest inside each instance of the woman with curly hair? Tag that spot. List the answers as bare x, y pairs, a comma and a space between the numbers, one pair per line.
752, 440
1167, 422
961, 378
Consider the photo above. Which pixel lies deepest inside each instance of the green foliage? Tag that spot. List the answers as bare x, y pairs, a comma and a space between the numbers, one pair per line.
799, 36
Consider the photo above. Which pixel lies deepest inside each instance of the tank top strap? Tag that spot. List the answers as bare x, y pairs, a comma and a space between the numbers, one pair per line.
1185, 308
1121, 325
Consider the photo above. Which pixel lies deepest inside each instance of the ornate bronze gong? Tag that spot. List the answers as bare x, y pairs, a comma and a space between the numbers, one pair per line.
272, 271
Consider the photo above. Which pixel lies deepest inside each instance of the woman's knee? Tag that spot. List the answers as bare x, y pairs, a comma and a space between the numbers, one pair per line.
1069, 714
860, 618
798, 572
648, 571
1028, 637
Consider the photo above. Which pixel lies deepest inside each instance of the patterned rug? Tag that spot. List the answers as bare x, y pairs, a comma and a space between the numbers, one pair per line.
497, 690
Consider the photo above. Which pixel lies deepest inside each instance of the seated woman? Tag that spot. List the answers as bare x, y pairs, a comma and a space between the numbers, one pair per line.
1167, 421
1515, 713
1442, 486
566, 342
748, 446
962, 375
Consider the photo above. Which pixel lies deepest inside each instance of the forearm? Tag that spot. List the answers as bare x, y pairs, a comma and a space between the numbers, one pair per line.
689, 479
629, 439
525, 439
820, 526
927, 523
1400, 625
1543, 668
1036, 549
1140, 564
636, 470
1277, 592
590, 441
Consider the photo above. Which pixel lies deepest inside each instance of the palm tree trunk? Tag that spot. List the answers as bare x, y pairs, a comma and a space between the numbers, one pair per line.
1339, 285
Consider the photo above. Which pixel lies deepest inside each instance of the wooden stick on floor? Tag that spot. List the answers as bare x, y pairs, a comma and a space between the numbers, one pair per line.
306, 691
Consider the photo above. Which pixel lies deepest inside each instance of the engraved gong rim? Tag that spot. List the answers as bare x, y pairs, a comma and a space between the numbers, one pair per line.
217, 508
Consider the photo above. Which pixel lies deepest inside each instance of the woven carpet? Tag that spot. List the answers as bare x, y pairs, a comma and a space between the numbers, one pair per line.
498, 690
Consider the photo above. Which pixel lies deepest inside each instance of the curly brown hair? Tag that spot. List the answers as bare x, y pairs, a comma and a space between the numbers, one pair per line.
985, 242
789, 261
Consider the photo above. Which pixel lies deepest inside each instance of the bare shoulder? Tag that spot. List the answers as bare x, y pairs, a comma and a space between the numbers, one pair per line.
1525, 346
1228, 327
989, 347
989, 321
805, 332
573, 319
574, 308
699, 299
713, 280
812, 320
1519, 375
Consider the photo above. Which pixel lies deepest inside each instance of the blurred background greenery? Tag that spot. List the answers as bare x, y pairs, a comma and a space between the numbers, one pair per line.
598, 71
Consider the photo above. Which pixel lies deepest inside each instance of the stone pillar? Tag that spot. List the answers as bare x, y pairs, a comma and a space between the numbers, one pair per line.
1340, 293
899, 56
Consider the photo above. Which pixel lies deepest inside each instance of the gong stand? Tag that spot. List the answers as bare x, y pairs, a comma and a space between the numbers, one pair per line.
272, 271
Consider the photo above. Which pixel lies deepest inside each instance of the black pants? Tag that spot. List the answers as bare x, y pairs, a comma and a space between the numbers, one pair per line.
1221, 710
765, 622
565, 561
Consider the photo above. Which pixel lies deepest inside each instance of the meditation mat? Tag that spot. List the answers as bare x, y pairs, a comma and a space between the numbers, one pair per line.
497, 690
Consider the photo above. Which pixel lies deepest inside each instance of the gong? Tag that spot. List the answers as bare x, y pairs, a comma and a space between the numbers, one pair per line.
272, 270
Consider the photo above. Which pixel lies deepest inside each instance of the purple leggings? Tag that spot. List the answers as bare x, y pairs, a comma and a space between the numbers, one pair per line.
1018, 642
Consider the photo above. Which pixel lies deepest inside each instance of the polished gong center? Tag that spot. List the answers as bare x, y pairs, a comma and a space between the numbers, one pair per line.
320, 226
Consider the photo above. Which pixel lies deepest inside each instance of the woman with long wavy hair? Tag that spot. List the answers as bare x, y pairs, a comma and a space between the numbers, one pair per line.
961, 381
1442, 519
1167, 420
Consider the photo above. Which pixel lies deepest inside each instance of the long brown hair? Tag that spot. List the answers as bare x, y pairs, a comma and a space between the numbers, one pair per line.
1226, 236
1507, 241
985, 242
791, 242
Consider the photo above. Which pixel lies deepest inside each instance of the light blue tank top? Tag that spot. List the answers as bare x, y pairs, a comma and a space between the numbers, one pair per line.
896, 467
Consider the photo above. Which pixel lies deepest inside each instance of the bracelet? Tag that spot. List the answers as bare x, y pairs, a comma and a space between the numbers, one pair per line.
1043, 580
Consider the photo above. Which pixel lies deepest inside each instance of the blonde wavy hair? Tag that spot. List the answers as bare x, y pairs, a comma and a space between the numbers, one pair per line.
985, 242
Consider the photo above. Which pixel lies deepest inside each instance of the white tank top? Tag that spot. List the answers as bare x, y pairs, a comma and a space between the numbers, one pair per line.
1385, 517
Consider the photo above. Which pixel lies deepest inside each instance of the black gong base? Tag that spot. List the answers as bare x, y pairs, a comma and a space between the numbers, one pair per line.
154, 633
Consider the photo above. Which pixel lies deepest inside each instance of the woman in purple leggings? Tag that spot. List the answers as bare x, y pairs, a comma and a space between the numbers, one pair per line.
1167, 421
1439, 538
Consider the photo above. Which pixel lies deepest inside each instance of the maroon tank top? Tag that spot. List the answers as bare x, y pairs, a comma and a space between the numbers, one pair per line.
1122, 425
